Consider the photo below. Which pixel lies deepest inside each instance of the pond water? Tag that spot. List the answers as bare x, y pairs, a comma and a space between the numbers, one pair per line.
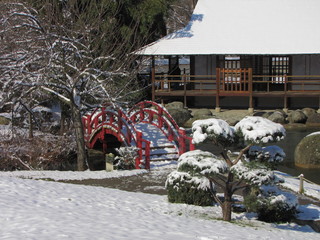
289, 144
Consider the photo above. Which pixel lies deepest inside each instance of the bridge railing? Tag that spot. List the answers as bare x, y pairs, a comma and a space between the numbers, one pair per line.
153, 113
119, 124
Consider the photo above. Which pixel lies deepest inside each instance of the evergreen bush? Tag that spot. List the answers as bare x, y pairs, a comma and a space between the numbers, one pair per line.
126, 158
270, 205
187, 184
183, 188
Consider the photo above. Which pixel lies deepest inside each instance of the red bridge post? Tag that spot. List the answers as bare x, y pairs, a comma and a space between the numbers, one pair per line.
182, 141
139, 145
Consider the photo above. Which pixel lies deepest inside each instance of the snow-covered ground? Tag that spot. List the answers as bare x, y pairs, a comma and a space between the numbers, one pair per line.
37, 209
70, 175
311, 190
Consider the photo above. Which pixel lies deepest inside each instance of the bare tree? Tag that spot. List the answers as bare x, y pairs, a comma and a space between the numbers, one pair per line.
180, 14
63, 54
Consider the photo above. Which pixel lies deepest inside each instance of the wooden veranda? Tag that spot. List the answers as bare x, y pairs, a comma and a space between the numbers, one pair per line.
235, 82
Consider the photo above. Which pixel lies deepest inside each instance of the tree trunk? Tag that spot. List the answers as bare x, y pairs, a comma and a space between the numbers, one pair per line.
227, 205
62, 122
226, 208
30, 125
81, 151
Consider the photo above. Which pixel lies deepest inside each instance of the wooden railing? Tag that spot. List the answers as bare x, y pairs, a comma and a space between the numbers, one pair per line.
237, 83
290, 83
234, 80
117, 123
153, 113
167, 82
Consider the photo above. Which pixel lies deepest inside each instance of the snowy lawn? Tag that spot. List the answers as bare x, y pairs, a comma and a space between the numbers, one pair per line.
36, 209
33, 209
71, 175
311, 190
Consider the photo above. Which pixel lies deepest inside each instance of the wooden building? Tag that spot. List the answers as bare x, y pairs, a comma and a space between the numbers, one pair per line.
243, 53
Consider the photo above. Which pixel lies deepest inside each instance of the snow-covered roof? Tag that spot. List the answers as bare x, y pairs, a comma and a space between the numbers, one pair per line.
245, 27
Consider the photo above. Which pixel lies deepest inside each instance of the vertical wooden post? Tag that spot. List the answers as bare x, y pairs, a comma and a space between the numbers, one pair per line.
182, 143
301, 189
217, 90
119, 121
153, 80
104, 146
103, 110
139, 146
184, 88
89, 127
147, 155
160, 117
285, 98
250, 91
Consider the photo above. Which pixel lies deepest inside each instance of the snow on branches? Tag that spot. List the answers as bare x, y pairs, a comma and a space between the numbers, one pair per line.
259, 130
201, 162
235, 173
253, 175
212, 129
250, 130
271, 154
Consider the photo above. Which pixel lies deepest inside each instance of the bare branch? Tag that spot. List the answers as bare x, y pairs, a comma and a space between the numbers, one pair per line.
243, 151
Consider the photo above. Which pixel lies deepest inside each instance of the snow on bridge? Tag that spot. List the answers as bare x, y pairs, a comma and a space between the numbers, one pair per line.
147, 126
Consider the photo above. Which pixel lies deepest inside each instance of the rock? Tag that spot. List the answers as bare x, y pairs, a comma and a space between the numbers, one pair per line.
266, 114
232, 121
174, 105
308, 111
188, 124
297, 117
202, 113
4, 121
180, 115
307, 152
259, 114
281, 111
314, 118
96, 159
278, 117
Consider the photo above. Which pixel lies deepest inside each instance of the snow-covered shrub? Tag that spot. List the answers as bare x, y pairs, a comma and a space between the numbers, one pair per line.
270, 155
233, 173
201, 162
212, 129
259, 130
253, 173
272, 204
126, 158
183, 188
187, 184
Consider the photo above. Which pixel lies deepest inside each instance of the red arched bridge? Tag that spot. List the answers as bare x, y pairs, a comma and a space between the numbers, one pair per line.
147, 126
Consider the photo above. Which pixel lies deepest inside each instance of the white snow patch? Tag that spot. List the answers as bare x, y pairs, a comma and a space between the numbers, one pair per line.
293, 183
202, 129
312, 134
259, 129
70, 175
205, 161
48, 210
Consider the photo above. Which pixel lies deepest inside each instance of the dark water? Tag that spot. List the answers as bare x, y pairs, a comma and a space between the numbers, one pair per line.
293, 137
288, 145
